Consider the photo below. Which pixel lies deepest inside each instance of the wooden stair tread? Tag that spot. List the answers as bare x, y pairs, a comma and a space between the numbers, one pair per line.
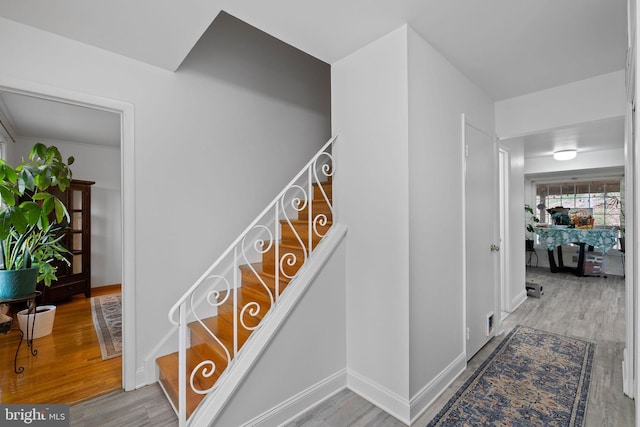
246, 294
267, 276
168, 366
258, 267
289, 245
301, 221
250, 316
299, 229
222, 329
318, 208
250, 278
289, 252
327, 186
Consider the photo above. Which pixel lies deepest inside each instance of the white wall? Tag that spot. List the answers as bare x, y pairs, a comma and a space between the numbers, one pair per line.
211, 147
516, 280
438, 94
583, 101
370, 112
102, 165
397, 105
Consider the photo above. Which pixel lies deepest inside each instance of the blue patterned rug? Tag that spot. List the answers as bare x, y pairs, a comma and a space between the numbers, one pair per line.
533, 378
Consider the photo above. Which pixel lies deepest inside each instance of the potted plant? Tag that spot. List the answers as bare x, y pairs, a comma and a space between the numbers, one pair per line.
531, 220
32, 220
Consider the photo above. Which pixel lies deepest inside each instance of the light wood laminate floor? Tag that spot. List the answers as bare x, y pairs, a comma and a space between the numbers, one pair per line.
590, 308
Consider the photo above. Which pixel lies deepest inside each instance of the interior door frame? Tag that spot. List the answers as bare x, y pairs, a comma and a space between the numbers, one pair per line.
504, 224
498, 328
127, 209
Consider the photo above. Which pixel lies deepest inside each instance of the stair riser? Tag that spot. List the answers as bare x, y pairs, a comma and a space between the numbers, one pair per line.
328, 189
286, 254
249, 321
172, 392
250, 279
169, 377
222, 329
291, 233
202, 337
319, 207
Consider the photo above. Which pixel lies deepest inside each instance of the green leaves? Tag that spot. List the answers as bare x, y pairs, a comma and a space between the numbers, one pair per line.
5, 224
8, 195
32, 219
32, 212
26, 181
39, 150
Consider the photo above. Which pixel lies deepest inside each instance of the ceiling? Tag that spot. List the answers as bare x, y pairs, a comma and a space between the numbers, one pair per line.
29, 117
508, 48
594, 136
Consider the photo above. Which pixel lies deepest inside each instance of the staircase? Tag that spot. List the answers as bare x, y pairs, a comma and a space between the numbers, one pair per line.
211, 343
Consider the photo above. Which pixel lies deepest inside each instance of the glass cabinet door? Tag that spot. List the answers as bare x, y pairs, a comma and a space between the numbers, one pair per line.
75, 242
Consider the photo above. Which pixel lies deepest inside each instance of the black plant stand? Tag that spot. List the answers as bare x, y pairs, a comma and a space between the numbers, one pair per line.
31, 310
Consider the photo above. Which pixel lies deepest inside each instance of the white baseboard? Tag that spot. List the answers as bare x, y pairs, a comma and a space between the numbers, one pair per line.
425, 397
383, 398
518, 300
292, 408
142, 377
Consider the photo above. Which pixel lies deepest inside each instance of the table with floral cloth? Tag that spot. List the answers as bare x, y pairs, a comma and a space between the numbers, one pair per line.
552, 237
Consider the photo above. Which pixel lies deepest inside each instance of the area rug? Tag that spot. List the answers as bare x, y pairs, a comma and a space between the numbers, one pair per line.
533, 378
107, 320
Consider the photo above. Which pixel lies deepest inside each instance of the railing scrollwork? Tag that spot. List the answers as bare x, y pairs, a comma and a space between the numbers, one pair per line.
243, 295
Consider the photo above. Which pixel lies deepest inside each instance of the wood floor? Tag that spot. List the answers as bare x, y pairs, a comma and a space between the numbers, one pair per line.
590, 308
68, 367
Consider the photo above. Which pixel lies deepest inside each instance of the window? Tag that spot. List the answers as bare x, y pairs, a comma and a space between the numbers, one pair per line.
603, 196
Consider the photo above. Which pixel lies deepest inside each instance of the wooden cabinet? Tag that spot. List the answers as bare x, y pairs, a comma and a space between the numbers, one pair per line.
75, 278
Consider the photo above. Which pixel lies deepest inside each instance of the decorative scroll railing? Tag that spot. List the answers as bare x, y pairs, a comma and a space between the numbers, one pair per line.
239, 289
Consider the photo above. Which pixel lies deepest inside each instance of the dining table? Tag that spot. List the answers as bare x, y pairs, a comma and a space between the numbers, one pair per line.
553, 237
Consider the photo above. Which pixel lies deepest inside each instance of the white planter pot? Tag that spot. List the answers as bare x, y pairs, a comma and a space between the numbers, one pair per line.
44, 321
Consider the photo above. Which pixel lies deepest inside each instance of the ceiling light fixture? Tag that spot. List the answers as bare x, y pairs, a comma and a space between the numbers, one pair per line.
565, 154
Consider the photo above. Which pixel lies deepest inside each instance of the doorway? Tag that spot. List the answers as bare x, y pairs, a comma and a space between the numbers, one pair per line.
125, 112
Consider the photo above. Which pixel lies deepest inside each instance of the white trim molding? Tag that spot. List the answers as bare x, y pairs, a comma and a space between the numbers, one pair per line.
297, 405
385, 399
425, 397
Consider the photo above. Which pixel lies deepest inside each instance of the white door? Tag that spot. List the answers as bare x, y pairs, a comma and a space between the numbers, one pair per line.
481, 242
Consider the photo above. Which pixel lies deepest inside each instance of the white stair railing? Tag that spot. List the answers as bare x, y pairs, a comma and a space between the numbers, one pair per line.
219, 285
